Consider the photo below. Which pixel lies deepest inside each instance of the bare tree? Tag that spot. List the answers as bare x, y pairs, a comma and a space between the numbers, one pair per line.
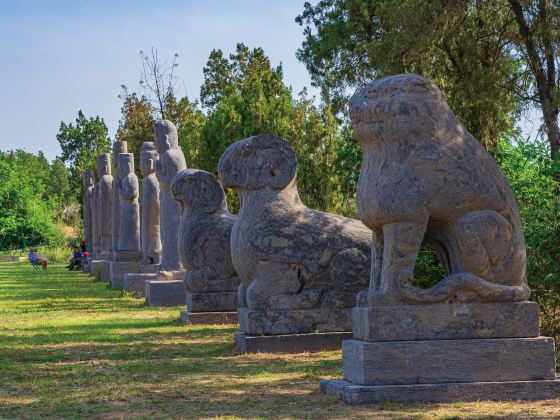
158, 79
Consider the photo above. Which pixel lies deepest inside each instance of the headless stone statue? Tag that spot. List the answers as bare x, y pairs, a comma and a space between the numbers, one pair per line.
204, 242
129, 218
118, 148
150, 206
171, 161
300, 268
104, 198
89, 185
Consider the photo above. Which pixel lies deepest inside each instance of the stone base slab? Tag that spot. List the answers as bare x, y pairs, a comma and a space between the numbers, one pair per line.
294, 321
119, 269
95, 268
448, 361
126, 256
10, 258
149, 268
170, 275
165, 293
446, 321
290, 343
439, 393
197, 318
212, 302
136, 283
105, 274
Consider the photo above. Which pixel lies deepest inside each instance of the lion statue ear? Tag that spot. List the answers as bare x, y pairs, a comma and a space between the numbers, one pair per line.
199, 190
258, 162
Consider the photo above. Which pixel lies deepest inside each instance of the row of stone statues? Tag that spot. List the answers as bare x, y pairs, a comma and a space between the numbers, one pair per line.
310, 279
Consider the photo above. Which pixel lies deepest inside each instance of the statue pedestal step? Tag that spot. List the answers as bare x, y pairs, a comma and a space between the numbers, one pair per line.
165, 293
196, 318
136, 283
290, 343
446, 392
118, 271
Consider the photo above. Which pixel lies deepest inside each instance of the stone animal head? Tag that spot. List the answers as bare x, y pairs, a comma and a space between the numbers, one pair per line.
258, 162
148, 158
126, 164
166, 136
399, 107
89, 180
104, 164
198, 191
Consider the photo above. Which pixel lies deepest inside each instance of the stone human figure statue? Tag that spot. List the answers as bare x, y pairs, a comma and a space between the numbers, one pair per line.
94, 215
171, 161
425, 177
89, 185
150, 206
204, 242
118, 148
300, 268
129, 208
104, 197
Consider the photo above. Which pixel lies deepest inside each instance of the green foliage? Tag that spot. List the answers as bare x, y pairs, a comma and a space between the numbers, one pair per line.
462, 46
81, 143
26, 216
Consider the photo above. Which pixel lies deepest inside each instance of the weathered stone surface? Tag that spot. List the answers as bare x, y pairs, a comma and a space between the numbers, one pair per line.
149, 268
150, 206
442, 361
292, 321
474, 391
105, 271
104, 197
129, 208
170, 275
293, 261
94, 225
136, 283
204, 242
425, 177
446, 321
118, 148
165, 293
118, 271
196, 318
290, 343
95, 268
171, 161
211, 301
89, 185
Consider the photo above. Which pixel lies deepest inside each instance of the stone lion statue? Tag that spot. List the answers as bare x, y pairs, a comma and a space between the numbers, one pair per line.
300, 268
425, 177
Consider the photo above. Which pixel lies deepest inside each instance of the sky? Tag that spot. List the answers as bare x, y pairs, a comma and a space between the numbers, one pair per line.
60, 56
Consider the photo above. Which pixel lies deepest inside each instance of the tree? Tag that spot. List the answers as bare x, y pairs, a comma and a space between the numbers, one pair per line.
463, 46
136, 124
539, 44
158, 79
81, 143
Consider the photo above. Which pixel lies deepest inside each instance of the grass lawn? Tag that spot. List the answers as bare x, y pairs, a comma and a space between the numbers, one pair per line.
72, 348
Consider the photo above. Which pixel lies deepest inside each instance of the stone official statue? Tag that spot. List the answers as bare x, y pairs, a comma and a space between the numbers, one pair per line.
118, 148
171, 161
150, 206
89, 185
104, 198
129, 218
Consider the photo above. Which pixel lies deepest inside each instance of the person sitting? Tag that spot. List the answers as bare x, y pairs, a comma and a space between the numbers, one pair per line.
77, 260
36, 260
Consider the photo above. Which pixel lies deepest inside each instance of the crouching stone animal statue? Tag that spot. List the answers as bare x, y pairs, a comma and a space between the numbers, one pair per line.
204, 242
425, 177
300, 268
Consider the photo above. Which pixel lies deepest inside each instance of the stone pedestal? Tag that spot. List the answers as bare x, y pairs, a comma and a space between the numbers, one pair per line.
95, 268
446, 352
165, 293
197, 318
105, 274
118, 271
290, 343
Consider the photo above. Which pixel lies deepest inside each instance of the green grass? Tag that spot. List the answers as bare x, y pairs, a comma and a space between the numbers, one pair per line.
72, 348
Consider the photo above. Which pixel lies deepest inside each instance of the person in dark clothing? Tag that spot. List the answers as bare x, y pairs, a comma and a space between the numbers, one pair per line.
77, 259
82, 245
